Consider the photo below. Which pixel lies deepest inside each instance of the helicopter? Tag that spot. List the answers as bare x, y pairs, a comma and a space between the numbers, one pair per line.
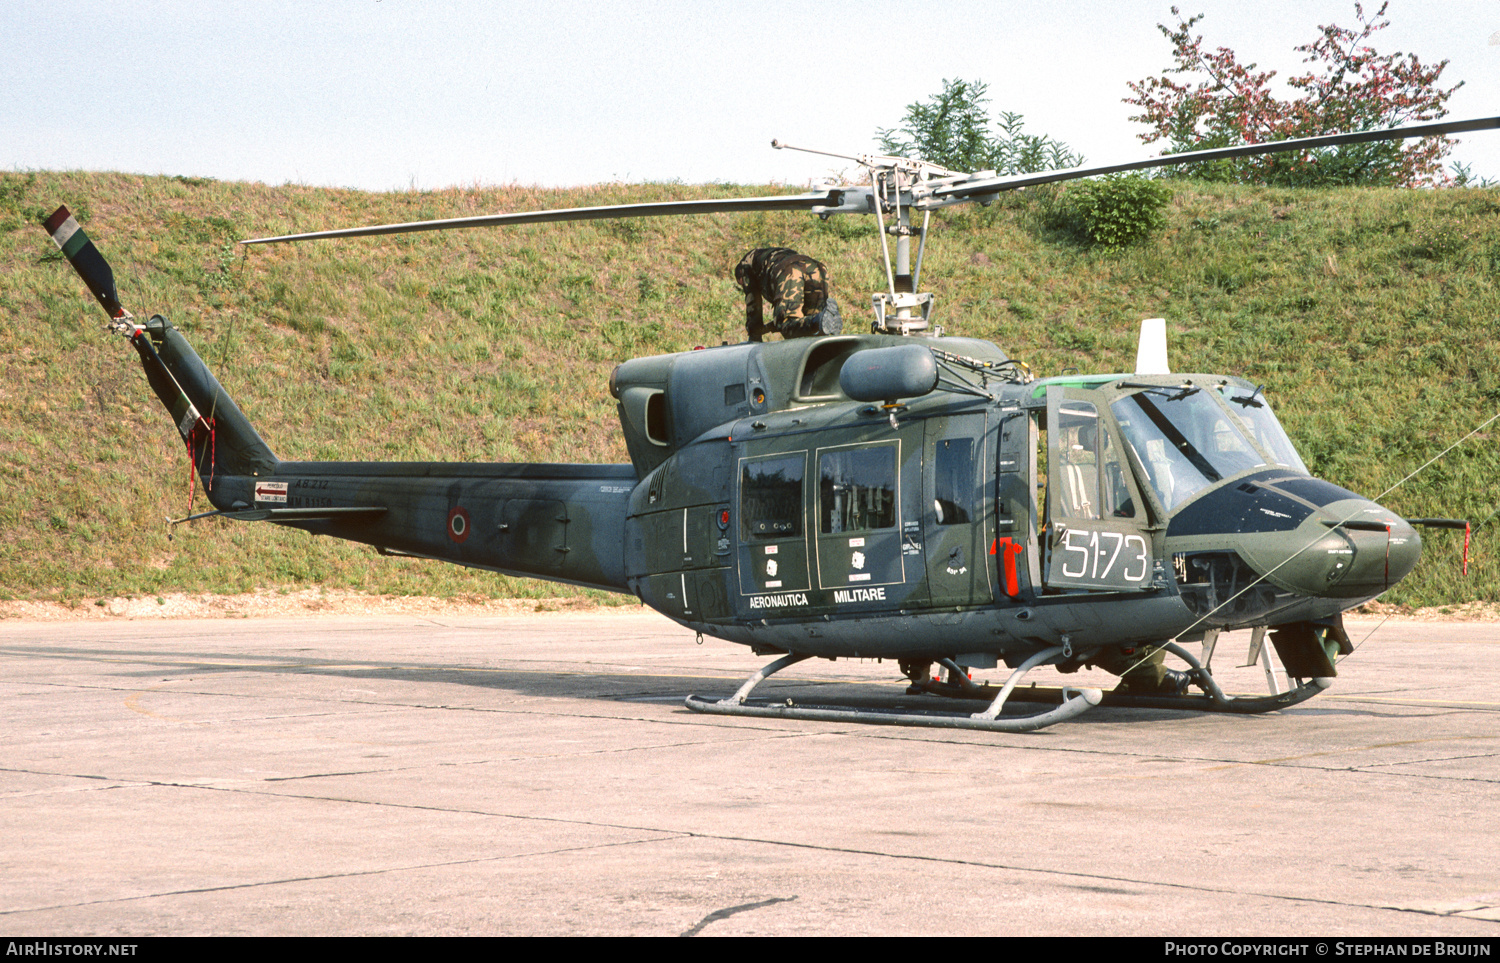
903, 494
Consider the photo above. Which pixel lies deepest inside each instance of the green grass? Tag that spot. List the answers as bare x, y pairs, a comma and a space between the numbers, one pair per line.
1370, 315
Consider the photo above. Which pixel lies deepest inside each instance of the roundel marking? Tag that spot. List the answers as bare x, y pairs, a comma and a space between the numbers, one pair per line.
458, 524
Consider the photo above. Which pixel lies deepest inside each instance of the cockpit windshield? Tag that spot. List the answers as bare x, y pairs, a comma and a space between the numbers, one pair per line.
1185, 441
1257, 420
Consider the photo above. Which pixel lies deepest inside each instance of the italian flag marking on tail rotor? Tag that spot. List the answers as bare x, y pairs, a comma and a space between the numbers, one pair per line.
66, 233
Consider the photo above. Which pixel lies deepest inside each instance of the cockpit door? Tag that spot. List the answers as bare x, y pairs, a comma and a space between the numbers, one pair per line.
1096, 533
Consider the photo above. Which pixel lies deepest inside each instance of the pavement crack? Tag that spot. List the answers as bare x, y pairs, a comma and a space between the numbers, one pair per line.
729, 911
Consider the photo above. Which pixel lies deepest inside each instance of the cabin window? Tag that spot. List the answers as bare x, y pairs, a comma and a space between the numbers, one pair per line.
953, 485
771, 496
857, 489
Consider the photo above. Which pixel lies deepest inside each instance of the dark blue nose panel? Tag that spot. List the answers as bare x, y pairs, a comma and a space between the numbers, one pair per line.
1314, 490
1249, 505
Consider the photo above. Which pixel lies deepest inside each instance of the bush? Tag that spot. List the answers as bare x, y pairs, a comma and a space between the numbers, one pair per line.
1115, 212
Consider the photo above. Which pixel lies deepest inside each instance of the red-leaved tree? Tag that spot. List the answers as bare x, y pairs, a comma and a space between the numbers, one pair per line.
1219, 102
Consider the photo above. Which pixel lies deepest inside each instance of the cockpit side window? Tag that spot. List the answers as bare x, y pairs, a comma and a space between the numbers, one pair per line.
1089, 478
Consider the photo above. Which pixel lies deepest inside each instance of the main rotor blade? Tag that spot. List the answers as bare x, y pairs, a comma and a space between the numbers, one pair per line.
85, 258
781, 202
995, 185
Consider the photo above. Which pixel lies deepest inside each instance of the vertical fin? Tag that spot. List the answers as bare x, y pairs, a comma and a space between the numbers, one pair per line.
199, 400
218, 434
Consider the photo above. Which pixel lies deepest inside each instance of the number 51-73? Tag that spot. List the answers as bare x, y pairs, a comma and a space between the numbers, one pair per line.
1093, 555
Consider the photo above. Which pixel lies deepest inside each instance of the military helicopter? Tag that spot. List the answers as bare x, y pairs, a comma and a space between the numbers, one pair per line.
902, 494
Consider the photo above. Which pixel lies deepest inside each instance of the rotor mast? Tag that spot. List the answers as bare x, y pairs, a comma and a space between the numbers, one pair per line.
896, 188
901, 308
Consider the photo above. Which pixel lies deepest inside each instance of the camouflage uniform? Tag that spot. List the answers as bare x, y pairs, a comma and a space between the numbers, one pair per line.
1142, 670
797, 287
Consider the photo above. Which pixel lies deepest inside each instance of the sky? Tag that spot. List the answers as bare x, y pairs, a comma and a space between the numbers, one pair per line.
398, 94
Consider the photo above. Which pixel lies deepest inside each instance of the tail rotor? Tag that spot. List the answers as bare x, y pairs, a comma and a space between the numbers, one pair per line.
87, 261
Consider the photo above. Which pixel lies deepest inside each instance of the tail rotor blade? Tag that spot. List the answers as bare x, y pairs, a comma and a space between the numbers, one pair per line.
86, 260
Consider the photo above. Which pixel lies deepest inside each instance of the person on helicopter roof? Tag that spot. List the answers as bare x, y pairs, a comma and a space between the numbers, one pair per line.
797, 287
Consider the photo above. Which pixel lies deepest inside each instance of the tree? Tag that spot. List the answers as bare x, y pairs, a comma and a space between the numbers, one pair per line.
1349, 87
952, 129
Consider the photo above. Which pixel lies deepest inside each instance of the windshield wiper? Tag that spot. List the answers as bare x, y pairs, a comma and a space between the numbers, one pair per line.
1250, 401
1181, 393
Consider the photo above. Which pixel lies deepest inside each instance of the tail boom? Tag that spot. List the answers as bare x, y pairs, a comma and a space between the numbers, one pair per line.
559, 522
563, 523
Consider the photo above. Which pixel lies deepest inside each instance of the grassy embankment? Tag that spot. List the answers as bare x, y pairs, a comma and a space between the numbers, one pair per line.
1371, 316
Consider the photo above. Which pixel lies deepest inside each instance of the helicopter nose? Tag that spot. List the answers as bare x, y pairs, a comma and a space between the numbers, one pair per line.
1351, 548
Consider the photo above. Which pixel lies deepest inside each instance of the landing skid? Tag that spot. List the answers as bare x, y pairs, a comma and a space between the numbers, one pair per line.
1069, 701
1213, 698
1072, 702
